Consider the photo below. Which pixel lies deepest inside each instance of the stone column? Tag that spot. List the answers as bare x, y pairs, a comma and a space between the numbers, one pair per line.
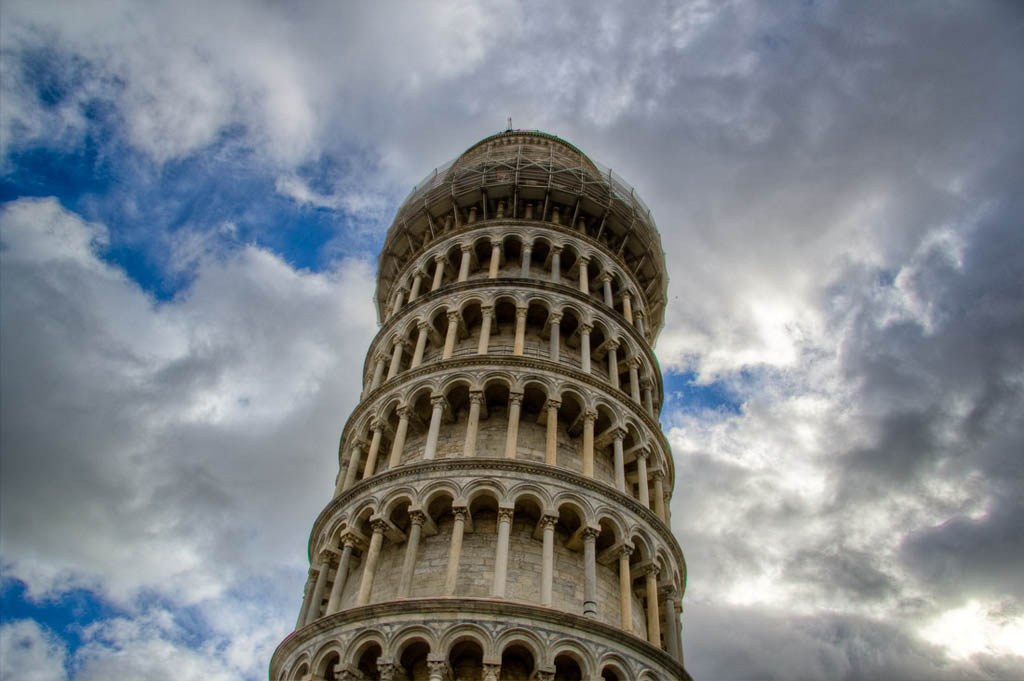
417, 282
634, 379
318, 590
527, 255
371, 458
451, 335
556, 264
476, 399
438, 670
307, 597
556, 337
517, 348
515, 401
548, 566
467, 256
421, 344
396, 358
437, 403
378, 372
487, 313
620, 461
648, 399
627, 306
412, 546
613, 364
641, 473
589, 416
638, 322
492, 270
398, 445
387, 670
625, 590
659, 495
584, 275
551, 443
455, 549
372, 554
671, 622
606, 284
438, 272
399, 300
585, 330
341, 574
492, 671
590, 571
501, 554
653, 618
353, 465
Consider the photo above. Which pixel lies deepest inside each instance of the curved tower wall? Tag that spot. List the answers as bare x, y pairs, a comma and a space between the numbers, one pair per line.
501, 505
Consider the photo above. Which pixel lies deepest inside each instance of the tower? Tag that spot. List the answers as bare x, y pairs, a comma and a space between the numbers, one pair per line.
501, 508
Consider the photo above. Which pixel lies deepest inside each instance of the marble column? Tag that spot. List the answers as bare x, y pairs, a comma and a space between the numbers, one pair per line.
487, 314
307, 597
353, 465
318, 589
438, 404
396, 358
417, 282
515, 401
501, 553
590, 571
556, 337
634, 379
423, 329
659, 495
653, 618
551, 441
492, 671
638, 322
606, 285
613, 364
517, 348
412, 546
524, 271
589, 417
378, 372
371, 458
627, 306
348, 542
620, 460
492, 270
668, 594
438, 272
641, 474
467, 256
547, 524
584, 275
556, 264
585, 330
398, 444
476, 400
452, 335
648, 399
438, 670
372, 555
399, 301
625, 590
455, 549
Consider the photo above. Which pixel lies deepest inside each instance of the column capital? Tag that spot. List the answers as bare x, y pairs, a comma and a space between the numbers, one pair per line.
460, 512
585, 259
423, 325
612, 343
417, 517
590, 415
398, 342
626, 550
626, 294
545, 675
439, 400
466, 248
505, 514
667, 592
528, 245
641, 454
554, 404
351, 539
376, 424
556, 249
386, 670
403, 411
555, 317
515, 398
619, 434
495, 243
439, 258
486, 310
652, 570
605, 276
378, 525
521, 312
327, 554
646, 383
438, 669
586, 328
548, 521
633, 362
476, 397
658, 474
453, 315
491, 671
590, 533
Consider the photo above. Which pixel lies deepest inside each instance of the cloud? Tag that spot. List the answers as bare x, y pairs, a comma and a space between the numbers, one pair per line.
30, 653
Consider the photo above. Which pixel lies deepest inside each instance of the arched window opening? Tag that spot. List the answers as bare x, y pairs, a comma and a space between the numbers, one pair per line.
517, 663
466, 660
567, 669
413, 661
366, 662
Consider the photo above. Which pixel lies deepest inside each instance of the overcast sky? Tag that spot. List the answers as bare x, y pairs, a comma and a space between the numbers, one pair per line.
194, 194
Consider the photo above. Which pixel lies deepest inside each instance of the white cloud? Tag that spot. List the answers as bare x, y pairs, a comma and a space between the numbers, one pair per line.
30, 653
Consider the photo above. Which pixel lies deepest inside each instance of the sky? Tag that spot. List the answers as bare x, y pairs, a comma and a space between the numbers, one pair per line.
192, 197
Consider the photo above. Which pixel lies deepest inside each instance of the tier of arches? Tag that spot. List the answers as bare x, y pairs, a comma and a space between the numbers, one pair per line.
462, 652
521, 323
491, 412
453, 538
504, 251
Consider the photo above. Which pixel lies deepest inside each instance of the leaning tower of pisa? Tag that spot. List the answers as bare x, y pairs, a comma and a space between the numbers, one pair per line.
501, 510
